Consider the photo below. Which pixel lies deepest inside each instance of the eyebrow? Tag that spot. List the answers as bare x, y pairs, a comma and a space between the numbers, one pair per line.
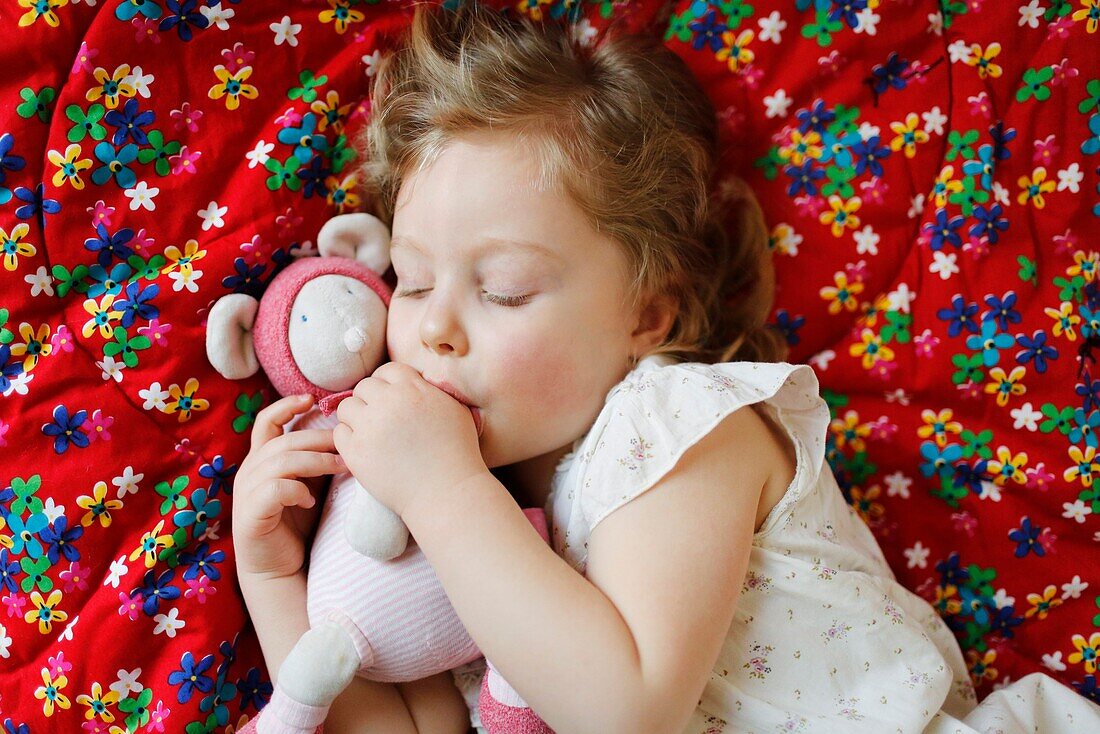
488, 244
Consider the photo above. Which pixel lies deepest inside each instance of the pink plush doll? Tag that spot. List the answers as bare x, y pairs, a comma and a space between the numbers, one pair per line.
375, 607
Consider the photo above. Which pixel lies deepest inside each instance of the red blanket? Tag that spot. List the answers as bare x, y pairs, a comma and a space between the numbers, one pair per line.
929, 173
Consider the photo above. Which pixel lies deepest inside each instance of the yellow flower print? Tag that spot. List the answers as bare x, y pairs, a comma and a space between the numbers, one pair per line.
183, 260
111, 86
983, 60
340, 14
802, 147
1085, 465
981, 666
103, 316
6, 541
232, 86
1084, 264
50, 691
944, 186
329, 112
736, 50
33, 346
908, 135
98, 704
1041, 604
938, 424
341, 193
98, 506
13, 247
1064, 320
1006, 385
843, 295
1090, 9
946, 600
45, 612
69, 166
532, 8
849, 431
151, 544
841, 214
871, 349
863, 502
184, 401
1087, 652
1033, 188
1006, 466
41, 9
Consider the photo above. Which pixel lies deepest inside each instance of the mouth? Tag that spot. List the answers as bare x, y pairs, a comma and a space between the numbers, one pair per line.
454, 393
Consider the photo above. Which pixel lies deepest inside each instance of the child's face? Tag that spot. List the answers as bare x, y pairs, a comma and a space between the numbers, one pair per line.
538, 372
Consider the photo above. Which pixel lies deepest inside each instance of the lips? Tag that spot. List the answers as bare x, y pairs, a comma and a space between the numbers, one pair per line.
454, 393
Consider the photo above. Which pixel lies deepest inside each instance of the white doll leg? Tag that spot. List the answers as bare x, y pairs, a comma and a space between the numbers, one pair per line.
316, 670
373, 529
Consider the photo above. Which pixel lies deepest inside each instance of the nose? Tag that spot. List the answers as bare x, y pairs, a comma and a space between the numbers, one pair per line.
355, 339
440, 327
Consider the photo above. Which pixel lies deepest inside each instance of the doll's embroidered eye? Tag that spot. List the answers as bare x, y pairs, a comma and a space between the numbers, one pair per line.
304, 319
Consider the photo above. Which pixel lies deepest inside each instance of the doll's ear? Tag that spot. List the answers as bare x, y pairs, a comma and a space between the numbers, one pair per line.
360, 236
229, 344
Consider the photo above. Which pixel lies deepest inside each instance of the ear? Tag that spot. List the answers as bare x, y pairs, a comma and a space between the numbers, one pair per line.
229, 345
653, 321
359, 236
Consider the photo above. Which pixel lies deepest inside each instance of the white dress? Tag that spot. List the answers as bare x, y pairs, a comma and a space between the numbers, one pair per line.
823, 638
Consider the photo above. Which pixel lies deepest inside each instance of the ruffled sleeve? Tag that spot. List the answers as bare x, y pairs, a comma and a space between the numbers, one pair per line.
651, 419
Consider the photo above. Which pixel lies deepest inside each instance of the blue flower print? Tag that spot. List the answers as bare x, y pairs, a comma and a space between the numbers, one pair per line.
1001, 139
127, 11
951, 573
304, 138
803, 177
108, 246
8, 369
937, 461
849, 10
23, 533
202, 561
1001, 311
838, 148
115, 164
816, 118
313, 178
107, 282
944, 230
203, 512
1092, 143
247, 280
254, 690
190, 677
183, 17
990, 343
1035, 348
959, 315
989, 222
128, 123
137, 303
890, 74
61, 539
8, 163
154, 591
982, 166
218, 474
1085, 426
708, 32
37, 204
9, 569
215, 702
66, 429
1026, 538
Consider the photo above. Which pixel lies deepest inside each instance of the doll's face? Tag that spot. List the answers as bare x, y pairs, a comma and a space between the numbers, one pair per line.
337, 331
539, 370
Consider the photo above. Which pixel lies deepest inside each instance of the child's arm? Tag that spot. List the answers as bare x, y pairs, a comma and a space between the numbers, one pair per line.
628, 648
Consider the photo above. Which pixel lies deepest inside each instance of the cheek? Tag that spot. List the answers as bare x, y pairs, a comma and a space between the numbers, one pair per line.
542, 375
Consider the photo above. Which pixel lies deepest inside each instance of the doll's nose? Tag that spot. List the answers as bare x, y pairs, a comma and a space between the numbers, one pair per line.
355, 339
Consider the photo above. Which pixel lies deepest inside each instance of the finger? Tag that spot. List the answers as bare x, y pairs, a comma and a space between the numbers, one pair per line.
394, 371
293, 464
280, 494
307, 439
347, 408
270, 421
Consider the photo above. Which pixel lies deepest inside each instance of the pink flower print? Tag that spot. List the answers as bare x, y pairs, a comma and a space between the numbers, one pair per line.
1065, 244
637, 453
156, 332
752, 76
856, 271
146, 29
101, 214
970, 390
925, 343
964, 522
874, 191
252, 250
757, 664
883, 368
84, 58
754, 582
157, 717
809, 206
14, 604
58, 665
979, 105
1045, 151
833, 63
1063, 72
142, 243
917, 72
1058, 29
837, 631
4, 427
238, 57
1038, 477
892, 612
882, 429
1046, 539
185, 117
978, 247
361, 110
62, 339
128, 606
75, 577
288, 221
184, 447
975, 6
184, 160
200, 588
98, 425
290, 118
95, 726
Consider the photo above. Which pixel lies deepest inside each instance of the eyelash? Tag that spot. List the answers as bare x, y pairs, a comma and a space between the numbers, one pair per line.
507, 301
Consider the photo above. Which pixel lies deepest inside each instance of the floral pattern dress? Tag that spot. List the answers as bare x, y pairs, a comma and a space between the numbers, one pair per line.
823, 638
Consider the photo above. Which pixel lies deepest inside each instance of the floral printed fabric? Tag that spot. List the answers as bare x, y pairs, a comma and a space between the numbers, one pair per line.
158, 154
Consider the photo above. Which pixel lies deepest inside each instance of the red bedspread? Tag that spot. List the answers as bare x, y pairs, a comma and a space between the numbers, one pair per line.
929, 172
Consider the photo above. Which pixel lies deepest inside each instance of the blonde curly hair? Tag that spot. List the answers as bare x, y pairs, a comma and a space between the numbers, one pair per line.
621, 127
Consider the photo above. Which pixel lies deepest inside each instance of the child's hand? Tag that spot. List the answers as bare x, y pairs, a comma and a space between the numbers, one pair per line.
273, 511
404, 438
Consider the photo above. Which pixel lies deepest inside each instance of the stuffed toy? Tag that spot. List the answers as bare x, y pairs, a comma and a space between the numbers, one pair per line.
375, 607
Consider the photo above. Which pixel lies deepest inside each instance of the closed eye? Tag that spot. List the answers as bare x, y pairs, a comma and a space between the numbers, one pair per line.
508, 301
